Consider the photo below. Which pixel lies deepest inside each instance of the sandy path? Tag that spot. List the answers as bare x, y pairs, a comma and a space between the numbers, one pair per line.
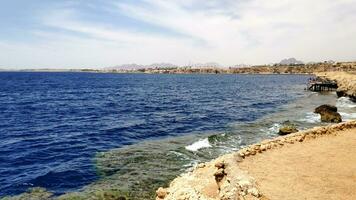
324, 168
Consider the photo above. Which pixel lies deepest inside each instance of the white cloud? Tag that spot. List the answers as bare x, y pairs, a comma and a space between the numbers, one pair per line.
228, 32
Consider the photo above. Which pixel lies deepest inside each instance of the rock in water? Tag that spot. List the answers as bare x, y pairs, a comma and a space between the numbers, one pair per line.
325, 108
328, 113
287, 128
341, 93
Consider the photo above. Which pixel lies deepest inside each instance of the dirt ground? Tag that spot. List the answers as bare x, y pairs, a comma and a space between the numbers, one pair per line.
323, 168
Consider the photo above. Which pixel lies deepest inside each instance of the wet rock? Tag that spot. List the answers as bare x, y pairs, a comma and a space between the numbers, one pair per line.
328, 113
325, 108
287, 128
341, 93
353, 98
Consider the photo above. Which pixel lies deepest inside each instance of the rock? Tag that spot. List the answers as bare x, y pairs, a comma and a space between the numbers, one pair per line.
161, 193
353, 98
301, 138
325, 108
331, 117
253, 152
340, 93
287, 128
201, 165
238, 157
328, 113
254, 192
263, 147
219, 175
220, 165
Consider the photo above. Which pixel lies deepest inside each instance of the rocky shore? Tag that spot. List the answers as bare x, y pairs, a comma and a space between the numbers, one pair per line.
248, 173
223, 178
346, 82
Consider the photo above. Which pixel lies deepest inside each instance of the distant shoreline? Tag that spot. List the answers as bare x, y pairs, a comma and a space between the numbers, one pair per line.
263, 69
14, 71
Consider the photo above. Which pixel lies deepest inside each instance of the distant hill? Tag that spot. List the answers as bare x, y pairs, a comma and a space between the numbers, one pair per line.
290, 61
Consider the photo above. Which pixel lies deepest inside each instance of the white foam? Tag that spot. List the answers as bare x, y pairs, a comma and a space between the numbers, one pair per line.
274, 129
198, 145
310, 117
345, 102
348, 116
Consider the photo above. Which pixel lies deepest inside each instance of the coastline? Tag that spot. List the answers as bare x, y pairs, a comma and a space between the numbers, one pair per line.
346, 83
222, 178
306, 69
227, 178
101, 188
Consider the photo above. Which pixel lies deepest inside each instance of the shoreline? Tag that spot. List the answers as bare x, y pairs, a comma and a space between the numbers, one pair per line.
102, 187
222, 178
308, 68
171, 145
346, 83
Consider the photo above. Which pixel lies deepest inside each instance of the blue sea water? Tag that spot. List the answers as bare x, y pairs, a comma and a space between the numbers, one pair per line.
53, 124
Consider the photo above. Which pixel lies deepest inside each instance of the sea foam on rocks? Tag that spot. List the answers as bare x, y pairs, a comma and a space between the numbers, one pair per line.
198, 145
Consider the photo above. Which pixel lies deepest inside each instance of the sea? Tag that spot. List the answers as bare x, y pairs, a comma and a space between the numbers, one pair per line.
75, 132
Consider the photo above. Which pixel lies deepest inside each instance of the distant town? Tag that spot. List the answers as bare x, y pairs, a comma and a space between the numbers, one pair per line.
286, 66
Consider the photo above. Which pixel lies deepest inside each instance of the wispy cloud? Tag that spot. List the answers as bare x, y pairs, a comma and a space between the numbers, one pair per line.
81, 33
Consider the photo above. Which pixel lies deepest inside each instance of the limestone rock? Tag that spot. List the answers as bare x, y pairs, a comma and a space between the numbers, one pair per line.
220, 165
325, 108
287, 128
161, 193
328, 113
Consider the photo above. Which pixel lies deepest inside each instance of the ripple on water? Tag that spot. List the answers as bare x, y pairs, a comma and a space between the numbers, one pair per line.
53, 124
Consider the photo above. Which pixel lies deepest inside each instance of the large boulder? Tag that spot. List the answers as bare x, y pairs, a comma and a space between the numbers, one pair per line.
325, 108
287, 128
328, 113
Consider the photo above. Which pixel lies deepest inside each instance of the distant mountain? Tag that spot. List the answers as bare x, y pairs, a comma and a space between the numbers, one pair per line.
290, 61
134, 66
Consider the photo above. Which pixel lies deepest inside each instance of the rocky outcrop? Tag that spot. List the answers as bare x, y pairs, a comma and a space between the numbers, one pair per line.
223, 179
328, 113
287, 128
346, 82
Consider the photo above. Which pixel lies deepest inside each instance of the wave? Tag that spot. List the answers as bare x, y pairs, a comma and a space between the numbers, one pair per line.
274, 129
310, 117
348, 116
345, 102
204, 143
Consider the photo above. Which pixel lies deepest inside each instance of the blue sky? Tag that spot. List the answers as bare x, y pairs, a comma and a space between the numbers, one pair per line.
93, 33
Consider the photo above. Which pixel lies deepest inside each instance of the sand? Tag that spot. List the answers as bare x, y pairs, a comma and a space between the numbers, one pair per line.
318, 163
324, 168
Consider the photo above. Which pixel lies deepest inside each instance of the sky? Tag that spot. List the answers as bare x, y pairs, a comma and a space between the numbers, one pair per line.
97, 33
